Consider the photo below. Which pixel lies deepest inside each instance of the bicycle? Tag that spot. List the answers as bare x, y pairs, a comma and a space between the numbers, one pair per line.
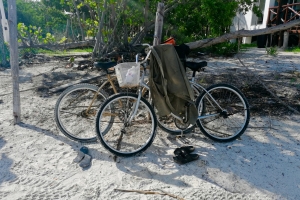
117, 123
75, 109
123, 115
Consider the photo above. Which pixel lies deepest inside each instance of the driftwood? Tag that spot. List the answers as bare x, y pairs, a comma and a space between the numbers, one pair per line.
151, 192
242, 33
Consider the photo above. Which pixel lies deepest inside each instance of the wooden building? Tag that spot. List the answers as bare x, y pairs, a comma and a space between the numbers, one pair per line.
274, 12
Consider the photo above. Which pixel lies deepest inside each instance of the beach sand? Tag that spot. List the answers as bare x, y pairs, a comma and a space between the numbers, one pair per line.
36, 159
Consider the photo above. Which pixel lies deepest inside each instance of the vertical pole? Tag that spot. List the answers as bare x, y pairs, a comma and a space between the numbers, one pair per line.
14, 56
158, 24
285, 39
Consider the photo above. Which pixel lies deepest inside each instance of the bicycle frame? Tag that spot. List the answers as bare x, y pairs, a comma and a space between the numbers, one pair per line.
142, 84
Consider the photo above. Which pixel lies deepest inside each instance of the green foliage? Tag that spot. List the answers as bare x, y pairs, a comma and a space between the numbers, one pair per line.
200, 19
34, 33
45, 21
30, 12
49, 38
272, 51
63, 39
6, 54
219, 15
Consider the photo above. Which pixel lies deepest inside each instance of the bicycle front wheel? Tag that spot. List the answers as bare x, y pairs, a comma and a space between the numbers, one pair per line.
132, 124
223, 113
75, 112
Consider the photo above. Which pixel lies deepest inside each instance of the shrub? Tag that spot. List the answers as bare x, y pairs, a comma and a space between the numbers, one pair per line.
272, 51
227, 49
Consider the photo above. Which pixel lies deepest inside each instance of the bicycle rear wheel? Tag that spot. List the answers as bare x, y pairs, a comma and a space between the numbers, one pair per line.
228, 122
71, 115
125, 138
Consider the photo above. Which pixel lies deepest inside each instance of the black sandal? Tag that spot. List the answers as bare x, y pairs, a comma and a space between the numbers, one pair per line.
183, 155
181, 159
184, 150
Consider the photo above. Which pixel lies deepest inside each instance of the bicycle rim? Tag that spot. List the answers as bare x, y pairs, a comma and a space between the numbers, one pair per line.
72, 115
227, 124
123, 138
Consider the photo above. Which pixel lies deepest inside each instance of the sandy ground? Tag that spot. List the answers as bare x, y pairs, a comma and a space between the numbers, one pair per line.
36, 160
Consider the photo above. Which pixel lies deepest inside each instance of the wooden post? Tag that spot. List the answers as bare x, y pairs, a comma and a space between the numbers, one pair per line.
285, 39
158, 24
278, 17
14, 58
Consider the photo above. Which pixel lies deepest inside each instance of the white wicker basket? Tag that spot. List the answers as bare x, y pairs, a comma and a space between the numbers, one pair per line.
128, 74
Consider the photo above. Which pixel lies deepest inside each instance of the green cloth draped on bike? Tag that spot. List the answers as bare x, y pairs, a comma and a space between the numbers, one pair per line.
169, 86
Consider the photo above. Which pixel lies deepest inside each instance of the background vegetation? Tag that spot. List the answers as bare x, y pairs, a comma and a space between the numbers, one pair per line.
119, 23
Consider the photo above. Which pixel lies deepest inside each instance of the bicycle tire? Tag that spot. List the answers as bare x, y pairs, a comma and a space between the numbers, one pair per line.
69, 113
126, 139
167, 123
230, 123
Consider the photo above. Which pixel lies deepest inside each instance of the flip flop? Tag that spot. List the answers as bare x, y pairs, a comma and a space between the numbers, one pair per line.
86, 161
80, 154
184, 150
180, 159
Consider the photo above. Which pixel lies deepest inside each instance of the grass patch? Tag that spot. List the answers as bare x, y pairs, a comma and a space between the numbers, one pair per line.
293, 49
245, 46
89, 50
54, 52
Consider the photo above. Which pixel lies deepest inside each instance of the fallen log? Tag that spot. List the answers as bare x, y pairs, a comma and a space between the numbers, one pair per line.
72, 45
242, 33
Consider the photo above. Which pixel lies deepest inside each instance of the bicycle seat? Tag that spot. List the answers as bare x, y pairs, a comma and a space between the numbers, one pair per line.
105, 65
196, 66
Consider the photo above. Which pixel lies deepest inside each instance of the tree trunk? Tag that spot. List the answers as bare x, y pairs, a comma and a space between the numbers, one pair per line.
67, 30
14, 57
80, 25
99, 33
158, 24
125, 28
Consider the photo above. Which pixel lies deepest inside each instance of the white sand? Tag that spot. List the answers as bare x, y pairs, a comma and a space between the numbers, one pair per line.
36, 159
